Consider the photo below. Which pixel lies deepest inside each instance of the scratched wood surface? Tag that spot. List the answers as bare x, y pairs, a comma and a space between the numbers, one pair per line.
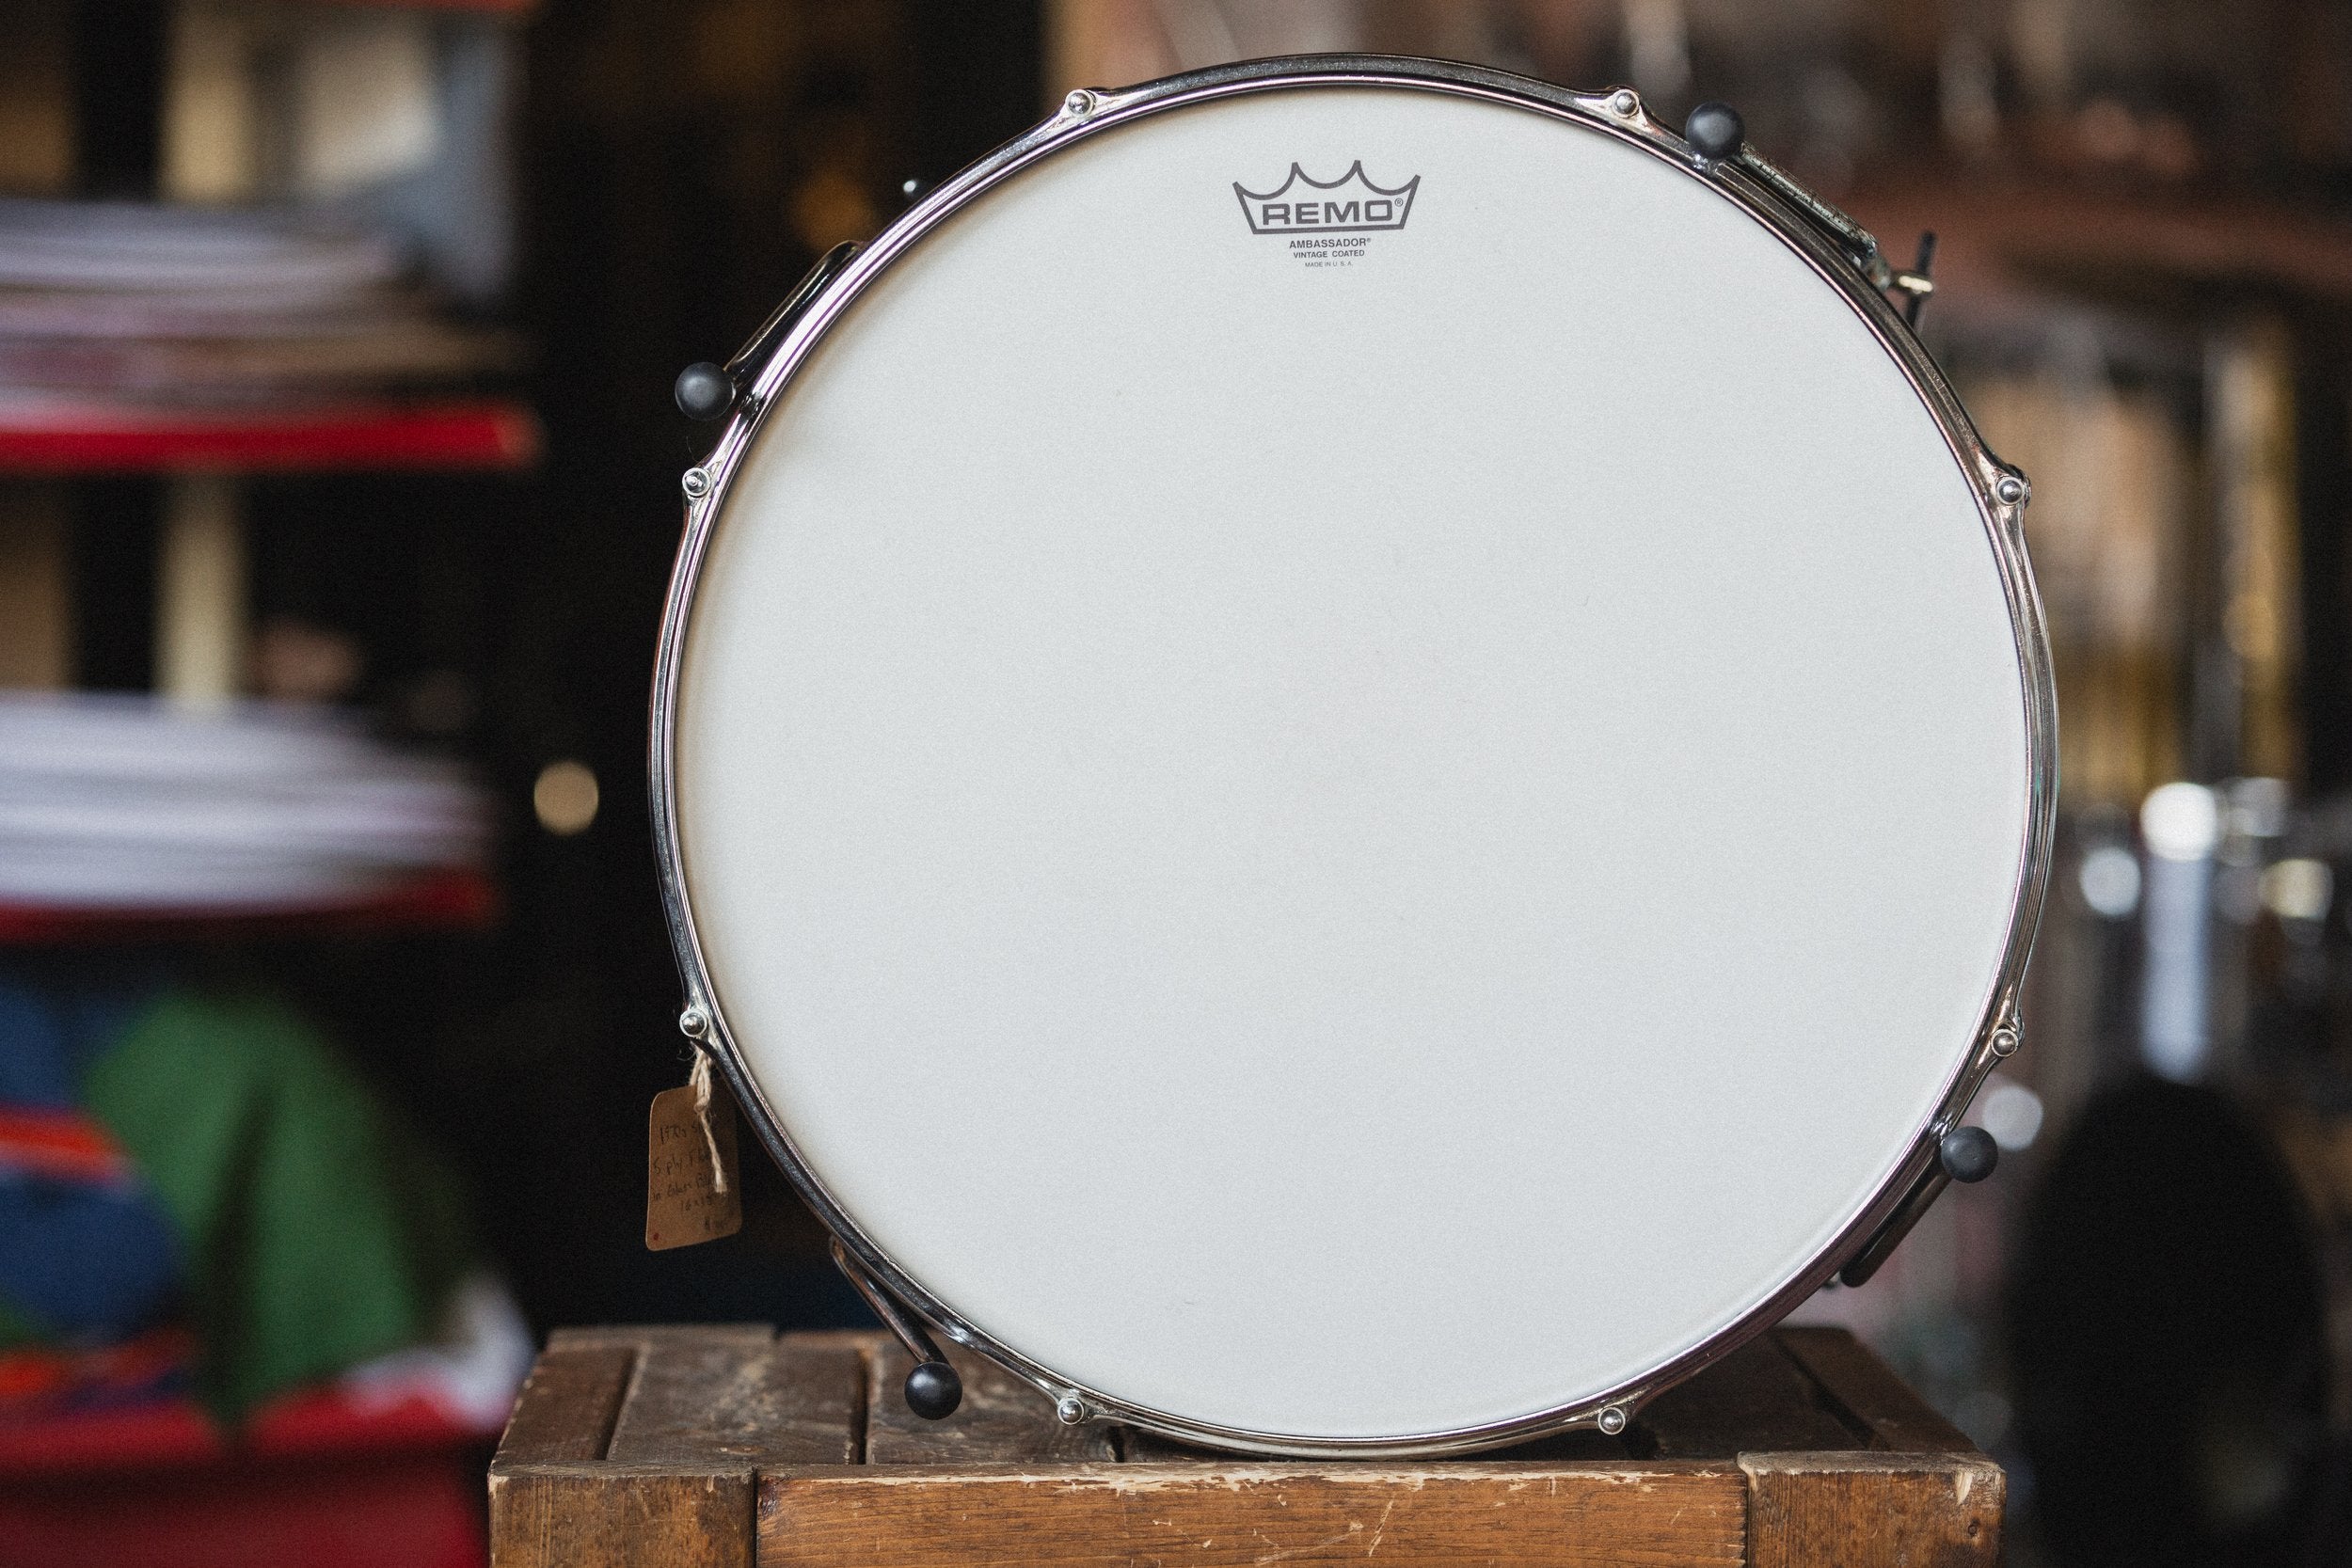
1566, 1515
726, 1446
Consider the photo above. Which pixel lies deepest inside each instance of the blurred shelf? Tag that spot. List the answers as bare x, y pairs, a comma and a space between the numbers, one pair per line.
444, 900
2008, 224
481, 434
483, 7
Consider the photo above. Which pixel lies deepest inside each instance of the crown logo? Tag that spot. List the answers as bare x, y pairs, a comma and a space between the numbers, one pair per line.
1351, 204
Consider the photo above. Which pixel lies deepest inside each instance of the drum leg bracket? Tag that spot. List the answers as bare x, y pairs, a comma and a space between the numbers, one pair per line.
707, 391
934, 1389
1962, 1154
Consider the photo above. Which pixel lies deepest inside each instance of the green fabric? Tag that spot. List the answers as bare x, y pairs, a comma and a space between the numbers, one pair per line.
318, 1235
17, 1329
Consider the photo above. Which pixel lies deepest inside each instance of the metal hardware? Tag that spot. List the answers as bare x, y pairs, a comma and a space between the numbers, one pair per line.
695, 483
1914, 284
2005, 1041
706, 392
694, 1023
1860, 246
1964, 1154
1611, 1420
762, 343
1840, 252
934, 1389
1082, 102
1071, 1409
1924, 1191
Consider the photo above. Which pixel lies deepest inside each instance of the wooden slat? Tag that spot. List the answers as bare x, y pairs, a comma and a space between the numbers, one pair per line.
700, 1401
1457, 1514
1002, 1420
1873, 1509
639, 1334
613, 1470
1758, 1398
1879, 1402
567, 1408
867, 1341
612, 1515
1137, 1447
1755, 1399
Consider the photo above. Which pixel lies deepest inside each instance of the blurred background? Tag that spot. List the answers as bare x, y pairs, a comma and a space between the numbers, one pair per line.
338, 491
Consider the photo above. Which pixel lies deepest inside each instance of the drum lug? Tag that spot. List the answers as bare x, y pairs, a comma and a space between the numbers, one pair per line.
1624, 107
1962, 1154
2010, 492
934, 1389
1082, 106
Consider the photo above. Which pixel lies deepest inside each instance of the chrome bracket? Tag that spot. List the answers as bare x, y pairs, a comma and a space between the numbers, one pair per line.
1957, 1154
1860, 246
934, 1389
761, 346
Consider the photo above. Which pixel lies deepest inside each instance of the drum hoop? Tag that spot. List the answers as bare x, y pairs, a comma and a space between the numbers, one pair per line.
1824, 239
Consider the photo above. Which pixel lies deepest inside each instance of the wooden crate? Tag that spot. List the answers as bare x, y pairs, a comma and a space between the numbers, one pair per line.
727, 1447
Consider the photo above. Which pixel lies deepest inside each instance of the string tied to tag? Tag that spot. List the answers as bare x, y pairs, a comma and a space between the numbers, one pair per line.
700, 1084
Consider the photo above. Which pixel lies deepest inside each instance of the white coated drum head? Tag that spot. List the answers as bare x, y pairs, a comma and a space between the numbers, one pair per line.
1350, 831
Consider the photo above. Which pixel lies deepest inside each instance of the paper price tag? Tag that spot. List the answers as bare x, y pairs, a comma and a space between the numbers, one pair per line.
688, 1197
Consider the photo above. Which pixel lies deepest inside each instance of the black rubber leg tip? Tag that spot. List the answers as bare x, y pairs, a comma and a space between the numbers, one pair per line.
703, 391
1714, 131
934, 1390
1968, 1153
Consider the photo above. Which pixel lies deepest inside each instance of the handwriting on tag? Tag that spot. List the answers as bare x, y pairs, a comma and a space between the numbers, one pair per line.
687, 1200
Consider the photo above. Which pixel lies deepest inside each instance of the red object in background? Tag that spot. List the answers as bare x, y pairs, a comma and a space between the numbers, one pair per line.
63, 1146
322, 1478
103, 438
445, 900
